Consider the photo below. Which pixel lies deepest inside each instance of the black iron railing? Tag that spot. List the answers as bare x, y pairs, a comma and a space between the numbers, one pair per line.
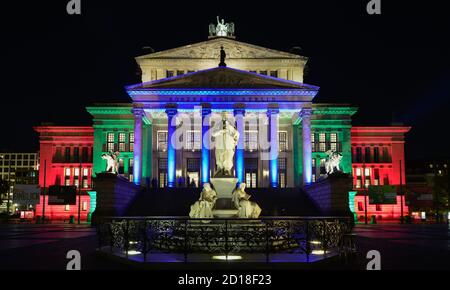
181, 235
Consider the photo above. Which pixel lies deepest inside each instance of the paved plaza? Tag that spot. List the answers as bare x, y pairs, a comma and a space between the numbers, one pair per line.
28, 247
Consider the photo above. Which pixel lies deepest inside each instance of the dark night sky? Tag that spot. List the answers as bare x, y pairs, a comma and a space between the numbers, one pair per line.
394, 65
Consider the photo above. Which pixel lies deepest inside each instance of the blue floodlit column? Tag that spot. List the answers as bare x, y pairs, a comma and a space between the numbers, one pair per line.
239, 114
137, 159
305, 114
171, 154
272, 115
206, 112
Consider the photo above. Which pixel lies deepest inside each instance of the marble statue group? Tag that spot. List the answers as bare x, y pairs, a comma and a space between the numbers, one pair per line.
222, 28
112, 162
237, 201
332, 162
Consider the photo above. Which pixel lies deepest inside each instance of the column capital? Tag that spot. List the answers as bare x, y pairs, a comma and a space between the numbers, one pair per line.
138, 111
171, 111
305, 112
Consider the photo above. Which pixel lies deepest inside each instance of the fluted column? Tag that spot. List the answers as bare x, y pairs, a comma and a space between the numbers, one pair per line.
272, 115
206, 114
305, 114
239, 114
171, 154
137, 153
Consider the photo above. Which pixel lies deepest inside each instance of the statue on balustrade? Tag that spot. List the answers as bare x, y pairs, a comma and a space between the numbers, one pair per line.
332, 162
112, 162
241, 200
202, 208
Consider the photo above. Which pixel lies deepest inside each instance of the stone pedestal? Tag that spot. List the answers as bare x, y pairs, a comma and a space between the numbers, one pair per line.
114, 194
330, 194
224, 187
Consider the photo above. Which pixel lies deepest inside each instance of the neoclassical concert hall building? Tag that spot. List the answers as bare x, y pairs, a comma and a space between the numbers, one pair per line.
185, 93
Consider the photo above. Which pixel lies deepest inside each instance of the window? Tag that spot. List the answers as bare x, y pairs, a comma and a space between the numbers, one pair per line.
132, 142
358, 154
358, 171
67, 154
263, 72
386, 157
274, 73
84, 206
376, 154
162, 172
333, 142
76, 182
251, 172
67, 207
76, 172
190, 71
378, 207
313, 142
360, 206
180, 72
76, 154
314, 170
67, 173
251, 140
282, 141
322, 167
282, 172
110, 142
161, 140
85, 183
367, 155
130, 168
122, 142
84, 154
358, 183
121, 166
193, 140
376, 176
169, 73
85, 172
253, 71
322, 146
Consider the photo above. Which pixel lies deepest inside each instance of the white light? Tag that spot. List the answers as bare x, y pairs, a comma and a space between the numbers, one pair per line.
318, 252
423, 215
315, 242
133, 252
133, 242
227, 258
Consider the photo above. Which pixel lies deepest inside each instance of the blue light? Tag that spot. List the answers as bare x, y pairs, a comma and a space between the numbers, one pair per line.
205, 165
171, 154
136, 169
240, 165
274, 172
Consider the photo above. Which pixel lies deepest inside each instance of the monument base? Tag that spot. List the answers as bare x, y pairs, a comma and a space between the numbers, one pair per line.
224, 187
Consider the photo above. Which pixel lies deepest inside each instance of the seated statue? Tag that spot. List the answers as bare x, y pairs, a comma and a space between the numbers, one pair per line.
247, 208
202, 208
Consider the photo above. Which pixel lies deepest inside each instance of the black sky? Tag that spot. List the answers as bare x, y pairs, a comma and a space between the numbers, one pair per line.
394, 66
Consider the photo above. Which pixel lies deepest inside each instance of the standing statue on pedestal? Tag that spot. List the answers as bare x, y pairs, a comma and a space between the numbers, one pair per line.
202, 208
332, 162
225, 143
221, 29
112, 162
247, 208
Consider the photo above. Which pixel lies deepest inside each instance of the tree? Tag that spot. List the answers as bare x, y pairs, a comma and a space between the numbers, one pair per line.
4, 188
440, 193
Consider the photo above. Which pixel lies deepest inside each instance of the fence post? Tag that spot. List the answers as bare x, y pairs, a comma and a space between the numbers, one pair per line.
145, 240
226, 239
185, 241
267, 241
308, 246
126, 239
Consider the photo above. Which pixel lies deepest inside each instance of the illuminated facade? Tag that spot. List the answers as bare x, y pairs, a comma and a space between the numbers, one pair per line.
182, 96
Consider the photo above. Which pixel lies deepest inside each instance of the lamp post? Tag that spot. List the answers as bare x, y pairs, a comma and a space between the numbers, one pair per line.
79, 193
43, 196
401, 193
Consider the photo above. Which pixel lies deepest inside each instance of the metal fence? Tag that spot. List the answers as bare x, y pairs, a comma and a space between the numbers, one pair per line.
182, 235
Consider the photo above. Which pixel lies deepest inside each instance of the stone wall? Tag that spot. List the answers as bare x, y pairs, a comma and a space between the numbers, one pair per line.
114, 194
330, 194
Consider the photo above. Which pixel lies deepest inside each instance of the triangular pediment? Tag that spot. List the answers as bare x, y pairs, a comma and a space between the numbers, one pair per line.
210, 49
222, 77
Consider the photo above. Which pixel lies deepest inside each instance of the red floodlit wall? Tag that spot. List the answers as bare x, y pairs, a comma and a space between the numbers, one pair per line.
390, 143
61, 213
382, 211
58, 147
